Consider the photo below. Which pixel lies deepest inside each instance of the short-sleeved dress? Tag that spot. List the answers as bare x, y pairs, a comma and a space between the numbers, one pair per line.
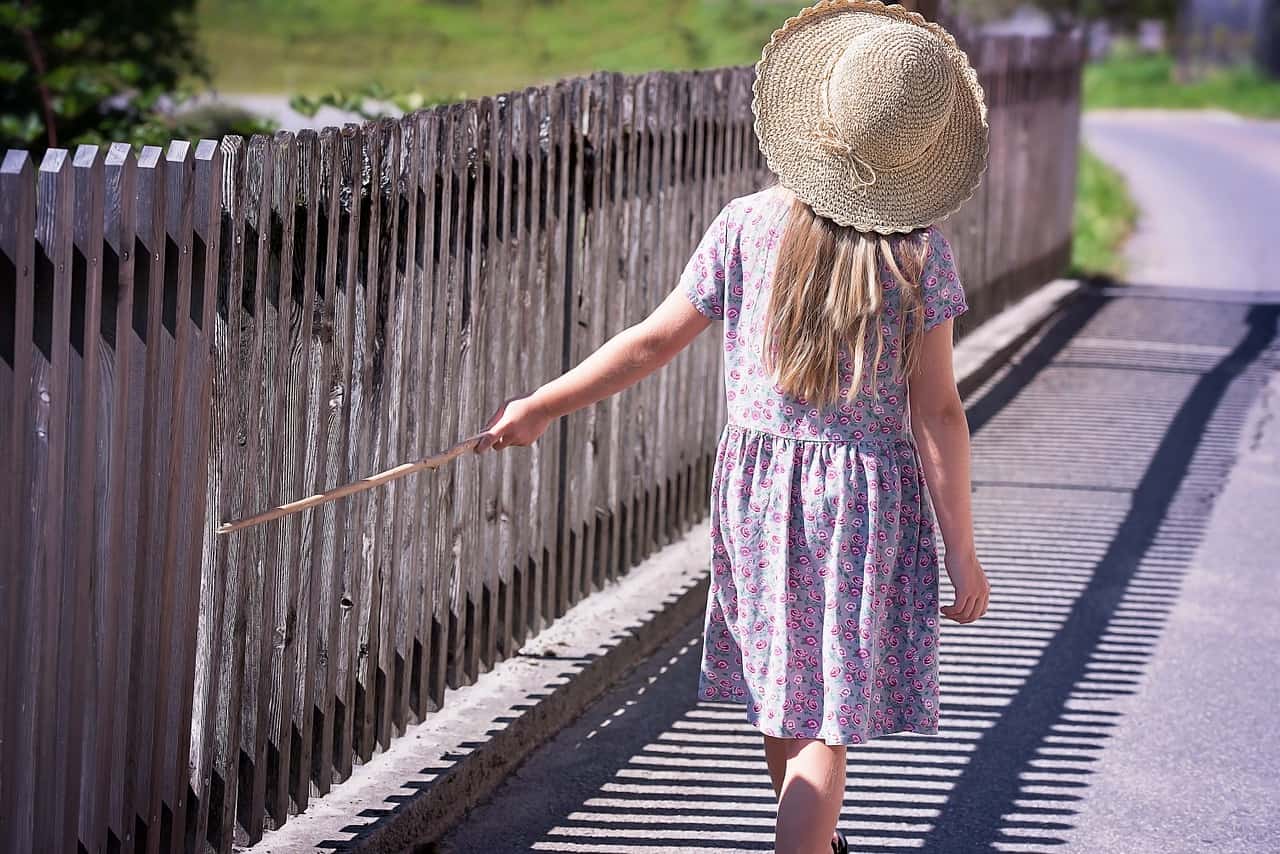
822, 615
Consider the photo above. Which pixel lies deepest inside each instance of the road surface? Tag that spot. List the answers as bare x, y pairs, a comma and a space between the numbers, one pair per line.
1120, 694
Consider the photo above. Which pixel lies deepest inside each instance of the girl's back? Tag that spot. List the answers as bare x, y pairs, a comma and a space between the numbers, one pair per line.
728, 279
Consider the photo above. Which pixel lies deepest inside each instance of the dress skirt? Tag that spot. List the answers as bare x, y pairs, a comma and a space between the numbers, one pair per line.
822, 614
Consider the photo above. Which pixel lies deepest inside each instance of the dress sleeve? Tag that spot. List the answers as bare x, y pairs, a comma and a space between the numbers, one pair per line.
941, 291
703, 279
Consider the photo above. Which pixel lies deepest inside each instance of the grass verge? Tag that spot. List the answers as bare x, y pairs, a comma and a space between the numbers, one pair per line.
1131, 80
469, 48
1104, 216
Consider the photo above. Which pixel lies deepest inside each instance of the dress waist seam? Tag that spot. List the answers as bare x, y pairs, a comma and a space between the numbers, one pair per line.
876, 439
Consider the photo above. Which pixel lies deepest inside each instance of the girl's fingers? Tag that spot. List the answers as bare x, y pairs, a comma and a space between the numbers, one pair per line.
962, 610
979, 606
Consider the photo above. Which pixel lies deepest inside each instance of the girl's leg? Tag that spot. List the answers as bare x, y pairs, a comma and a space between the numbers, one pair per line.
775, 756
811, 795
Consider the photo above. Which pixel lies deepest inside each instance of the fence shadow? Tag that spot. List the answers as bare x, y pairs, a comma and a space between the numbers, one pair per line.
1091, 498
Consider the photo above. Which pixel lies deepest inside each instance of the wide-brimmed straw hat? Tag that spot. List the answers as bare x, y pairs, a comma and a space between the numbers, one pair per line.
870, 114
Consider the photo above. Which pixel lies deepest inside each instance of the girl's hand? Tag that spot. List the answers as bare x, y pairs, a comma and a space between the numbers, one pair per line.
518, 421
971, 590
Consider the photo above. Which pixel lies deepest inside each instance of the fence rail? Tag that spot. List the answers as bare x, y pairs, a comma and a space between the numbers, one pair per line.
197, 333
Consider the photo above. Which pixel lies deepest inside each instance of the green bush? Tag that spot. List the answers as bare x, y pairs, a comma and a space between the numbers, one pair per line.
1104, 217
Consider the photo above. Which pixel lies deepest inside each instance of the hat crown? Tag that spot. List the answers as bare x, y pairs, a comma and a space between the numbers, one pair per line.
891, 92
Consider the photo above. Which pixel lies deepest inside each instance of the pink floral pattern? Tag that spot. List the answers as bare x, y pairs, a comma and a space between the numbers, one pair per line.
822, 616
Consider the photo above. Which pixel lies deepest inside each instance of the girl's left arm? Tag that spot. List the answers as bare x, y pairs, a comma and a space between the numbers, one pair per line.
623, 360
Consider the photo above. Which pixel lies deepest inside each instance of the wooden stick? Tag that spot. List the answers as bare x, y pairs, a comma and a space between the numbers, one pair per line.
370, 482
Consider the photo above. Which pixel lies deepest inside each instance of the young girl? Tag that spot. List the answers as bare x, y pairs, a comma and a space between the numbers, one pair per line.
837, 297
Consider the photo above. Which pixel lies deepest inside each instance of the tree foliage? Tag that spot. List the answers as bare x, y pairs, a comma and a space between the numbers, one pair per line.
74, 71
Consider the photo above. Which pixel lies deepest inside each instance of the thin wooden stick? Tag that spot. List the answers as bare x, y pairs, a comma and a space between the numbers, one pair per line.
370, 482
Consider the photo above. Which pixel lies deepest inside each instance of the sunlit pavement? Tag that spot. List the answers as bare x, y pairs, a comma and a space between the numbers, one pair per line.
1120, 693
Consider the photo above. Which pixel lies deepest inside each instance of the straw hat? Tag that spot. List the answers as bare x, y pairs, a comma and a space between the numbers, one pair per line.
870, 114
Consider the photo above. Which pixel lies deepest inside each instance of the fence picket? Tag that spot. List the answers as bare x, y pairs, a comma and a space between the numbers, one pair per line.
80, 657
306, 356
47, 454
205, 601
18, 587
327, 550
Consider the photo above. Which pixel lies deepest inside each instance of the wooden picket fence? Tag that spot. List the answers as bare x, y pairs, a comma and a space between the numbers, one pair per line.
197, 333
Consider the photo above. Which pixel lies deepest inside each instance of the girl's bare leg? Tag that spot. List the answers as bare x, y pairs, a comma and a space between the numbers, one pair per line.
811, 795
775, 756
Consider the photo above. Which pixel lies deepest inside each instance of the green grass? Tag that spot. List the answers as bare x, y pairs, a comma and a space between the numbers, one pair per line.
1129, 79
1104, 217
469, 48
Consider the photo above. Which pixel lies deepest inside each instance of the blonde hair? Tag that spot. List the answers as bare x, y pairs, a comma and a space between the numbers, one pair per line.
826, 293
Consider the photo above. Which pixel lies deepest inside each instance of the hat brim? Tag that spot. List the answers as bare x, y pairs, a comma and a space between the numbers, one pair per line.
786, 95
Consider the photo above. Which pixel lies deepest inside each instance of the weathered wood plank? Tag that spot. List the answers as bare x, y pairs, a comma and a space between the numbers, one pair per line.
543, 452
407, 434
203, 607
608, 213
258, 355
424, 412
231, 574
194, 314
19, 586
525, 531
82, 643
335, 738
391, 314
469, 417
594, 326
306, 369
173, 498
46, 453
656, 282
274, 270
577, 293
631, 107
289, 393
332, 407
445, 307
559, 311
490, 317
501, 246
369, 354
454, 355
152, 426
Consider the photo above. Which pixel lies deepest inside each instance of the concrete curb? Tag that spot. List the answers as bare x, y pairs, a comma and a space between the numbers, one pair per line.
412, 794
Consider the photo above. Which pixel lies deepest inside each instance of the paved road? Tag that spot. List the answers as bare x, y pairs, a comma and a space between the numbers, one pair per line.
1209, 188
1120, 694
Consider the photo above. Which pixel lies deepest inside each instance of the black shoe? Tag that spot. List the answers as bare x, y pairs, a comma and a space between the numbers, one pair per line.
839, 845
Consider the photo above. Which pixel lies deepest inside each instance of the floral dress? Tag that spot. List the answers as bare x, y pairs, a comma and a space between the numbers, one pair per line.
822, 615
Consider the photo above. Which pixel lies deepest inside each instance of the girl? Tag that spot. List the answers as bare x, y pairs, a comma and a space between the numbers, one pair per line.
837, 296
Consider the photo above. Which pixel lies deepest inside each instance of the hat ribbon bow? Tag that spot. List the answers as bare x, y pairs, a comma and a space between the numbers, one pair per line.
827, 135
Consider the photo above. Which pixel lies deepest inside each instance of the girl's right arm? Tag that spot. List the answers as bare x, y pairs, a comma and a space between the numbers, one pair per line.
942, 435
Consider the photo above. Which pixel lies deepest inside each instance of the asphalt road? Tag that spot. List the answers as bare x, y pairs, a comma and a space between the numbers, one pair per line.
1120, 694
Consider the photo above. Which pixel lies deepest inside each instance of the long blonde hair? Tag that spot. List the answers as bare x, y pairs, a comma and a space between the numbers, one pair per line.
826, 293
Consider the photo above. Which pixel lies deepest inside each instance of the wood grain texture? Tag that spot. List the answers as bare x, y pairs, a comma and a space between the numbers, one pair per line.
80, 660
18, 200
46, 452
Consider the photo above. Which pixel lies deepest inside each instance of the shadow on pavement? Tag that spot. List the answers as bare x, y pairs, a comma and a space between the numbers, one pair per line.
1097, 457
